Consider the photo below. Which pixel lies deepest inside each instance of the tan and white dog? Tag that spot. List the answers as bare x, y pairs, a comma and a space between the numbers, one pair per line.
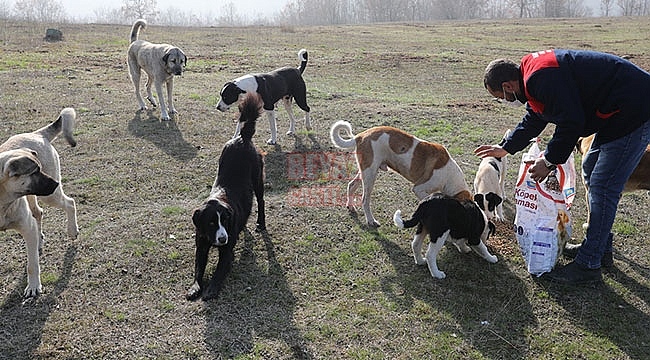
30, 167
489, 185
425, 164
161, 62
639, 180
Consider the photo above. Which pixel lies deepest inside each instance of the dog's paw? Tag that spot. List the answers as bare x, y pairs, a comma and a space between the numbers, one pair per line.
32, 291
492, 259
210, 295
373, 224
271, 142
438, 274
260, 228
194, 292
420, 261
291, 133
73, 232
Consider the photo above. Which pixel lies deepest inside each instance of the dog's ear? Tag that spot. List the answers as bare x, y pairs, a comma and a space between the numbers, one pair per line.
165, 57
475, 224
478, 199
22, 165
493, 200
196, 216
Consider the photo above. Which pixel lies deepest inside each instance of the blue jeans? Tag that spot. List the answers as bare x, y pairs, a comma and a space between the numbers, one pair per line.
606, 168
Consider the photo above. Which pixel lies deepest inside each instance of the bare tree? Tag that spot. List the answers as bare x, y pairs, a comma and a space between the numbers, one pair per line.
139, 9
39, 10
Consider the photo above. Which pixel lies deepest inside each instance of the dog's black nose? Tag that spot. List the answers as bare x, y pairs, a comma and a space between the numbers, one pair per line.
220, 240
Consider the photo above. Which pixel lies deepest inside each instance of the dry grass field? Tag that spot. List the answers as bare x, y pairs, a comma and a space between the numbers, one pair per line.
318, 284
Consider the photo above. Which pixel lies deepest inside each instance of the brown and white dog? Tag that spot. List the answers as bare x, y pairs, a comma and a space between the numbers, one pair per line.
427, 165
489, 185
30, 168
444, 218
639, 180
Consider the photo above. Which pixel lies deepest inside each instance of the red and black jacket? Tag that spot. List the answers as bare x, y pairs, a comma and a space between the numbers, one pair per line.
581, 92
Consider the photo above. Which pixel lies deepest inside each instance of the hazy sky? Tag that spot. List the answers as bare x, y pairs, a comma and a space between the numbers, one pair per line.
84, 8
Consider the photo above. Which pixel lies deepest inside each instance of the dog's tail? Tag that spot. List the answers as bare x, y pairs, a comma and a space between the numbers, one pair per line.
249, 110
397, 219
135, 30
338, 140
303, 56
65, 124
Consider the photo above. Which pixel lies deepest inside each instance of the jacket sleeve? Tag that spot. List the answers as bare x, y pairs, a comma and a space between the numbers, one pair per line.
530, 126
559, 93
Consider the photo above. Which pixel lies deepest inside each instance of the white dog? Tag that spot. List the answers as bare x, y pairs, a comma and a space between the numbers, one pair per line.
447, 219
161, 62
30, 167
489, 185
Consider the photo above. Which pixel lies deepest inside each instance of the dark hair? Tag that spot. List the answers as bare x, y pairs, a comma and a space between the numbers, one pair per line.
499, 71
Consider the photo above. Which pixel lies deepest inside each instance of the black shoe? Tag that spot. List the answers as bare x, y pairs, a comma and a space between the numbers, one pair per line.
574, 274
571, 250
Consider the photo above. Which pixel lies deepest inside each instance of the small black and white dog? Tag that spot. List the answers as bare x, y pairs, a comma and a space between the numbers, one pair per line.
446, 218
284, 83
224, 214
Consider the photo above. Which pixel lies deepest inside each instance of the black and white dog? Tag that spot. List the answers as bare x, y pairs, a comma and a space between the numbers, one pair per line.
224, 214
284, 83
489, 185
445, 218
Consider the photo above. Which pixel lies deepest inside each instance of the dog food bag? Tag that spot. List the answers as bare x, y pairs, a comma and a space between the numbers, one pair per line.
542, 219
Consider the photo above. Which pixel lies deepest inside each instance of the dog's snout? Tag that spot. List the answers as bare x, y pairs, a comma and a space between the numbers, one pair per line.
220, 240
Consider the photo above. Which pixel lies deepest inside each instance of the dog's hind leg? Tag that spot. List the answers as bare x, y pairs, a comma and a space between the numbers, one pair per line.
416, 246
353, 186
258, 188
150, 98
292, 120
134, 70
62, 201
369, 176
300, 96
432, 255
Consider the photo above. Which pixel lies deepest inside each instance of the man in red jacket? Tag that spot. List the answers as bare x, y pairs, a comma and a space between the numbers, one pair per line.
582, 93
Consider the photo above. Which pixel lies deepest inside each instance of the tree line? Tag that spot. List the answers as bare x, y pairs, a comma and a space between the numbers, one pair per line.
326, 12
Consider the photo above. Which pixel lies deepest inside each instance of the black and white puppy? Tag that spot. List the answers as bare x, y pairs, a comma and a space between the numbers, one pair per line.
224, 214
489, 185
284, 83
447, 219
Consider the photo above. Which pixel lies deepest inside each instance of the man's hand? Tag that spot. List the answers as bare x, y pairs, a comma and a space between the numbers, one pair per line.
490, 150
538, 171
